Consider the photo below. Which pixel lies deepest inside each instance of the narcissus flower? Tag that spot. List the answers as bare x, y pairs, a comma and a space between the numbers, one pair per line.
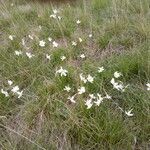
63, 58
67, 88
40, 27
4, 92
108, 96
29, 55
11, 37
23, 42
80, 40
19, 94
82, 78
92, 96
89, 103
53, 16
99, 100
55, 11
10, 82
71, 98
90, 35
18, 53
49, 39
101, 69
55, 44
78, 21
48, 57
42, 43
31, 37
129, 113
81, 90
118, 85
148, 86
90, 78
59, 17
82, 56
117, 74
62, 72
74, 43
15, 89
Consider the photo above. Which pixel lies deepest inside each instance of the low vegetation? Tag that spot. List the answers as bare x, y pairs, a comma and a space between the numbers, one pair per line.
75, 76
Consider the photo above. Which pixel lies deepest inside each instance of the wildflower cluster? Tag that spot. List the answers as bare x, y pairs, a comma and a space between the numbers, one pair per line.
14, 89
90, 99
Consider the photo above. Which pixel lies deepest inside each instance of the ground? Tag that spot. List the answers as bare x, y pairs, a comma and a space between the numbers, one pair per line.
51, 52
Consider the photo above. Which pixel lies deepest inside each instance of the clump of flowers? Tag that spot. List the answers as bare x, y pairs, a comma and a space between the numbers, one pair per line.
29, 55
85, 79
118, 84
55, 14
12, 89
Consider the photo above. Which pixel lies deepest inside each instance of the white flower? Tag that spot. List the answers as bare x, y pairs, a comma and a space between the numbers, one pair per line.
80, 40
99, 100
53, 16
90, 35
15, 89
112, 81
55, 11
40, 27
117, 74
118, 85
29, 55
81, 90
59, 17
48, 57
31, 37
92, 96
5, 93
62, 72
107, 96
82, 78
90, 78
67, 88
82, 56
18, 53
148, 86
129, 113
89, 103
55, 44
74, 43
49, 39
101, 69
42, 43
11, 37
19, 94
72, 99
10, 82
63, 58
23, 42
78, 21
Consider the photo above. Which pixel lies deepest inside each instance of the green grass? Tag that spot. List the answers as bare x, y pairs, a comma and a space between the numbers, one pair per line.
43, 118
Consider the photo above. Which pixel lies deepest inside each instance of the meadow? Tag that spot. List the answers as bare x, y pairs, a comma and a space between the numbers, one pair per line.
75, 75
